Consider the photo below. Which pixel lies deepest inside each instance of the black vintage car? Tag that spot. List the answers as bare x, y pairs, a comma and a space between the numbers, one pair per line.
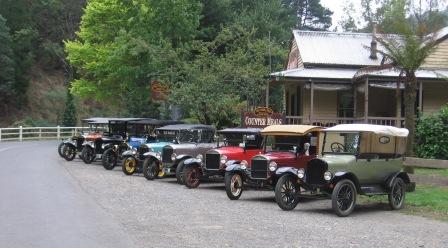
116, 136
70, 147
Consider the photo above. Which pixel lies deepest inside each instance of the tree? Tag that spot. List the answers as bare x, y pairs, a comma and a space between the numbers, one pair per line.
348, 22
7, 73
216, 87
311, 15
69, 118
406, 52
123, 45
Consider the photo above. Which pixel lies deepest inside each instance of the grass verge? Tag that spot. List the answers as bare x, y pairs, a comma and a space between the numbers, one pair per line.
429, 171
427, 201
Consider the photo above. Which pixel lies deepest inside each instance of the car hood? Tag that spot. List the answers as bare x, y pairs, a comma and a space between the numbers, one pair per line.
229, 150
157, 146
335, 160
278, 155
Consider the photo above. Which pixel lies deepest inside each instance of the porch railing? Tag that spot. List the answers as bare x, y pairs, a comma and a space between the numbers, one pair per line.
38, 133
332, 121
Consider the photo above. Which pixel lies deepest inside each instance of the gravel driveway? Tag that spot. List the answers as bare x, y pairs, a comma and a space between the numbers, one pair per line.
162, 213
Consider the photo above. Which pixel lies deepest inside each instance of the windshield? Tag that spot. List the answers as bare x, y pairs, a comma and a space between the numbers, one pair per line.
285, 143
166, 135
235, 139
186, 136
343, 143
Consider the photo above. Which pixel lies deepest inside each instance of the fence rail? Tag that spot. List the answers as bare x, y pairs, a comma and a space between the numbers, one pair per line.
38, 133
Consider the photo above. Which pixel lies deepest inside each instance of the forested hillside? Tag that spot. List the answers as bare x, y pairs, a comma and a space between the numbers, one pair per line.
213, 55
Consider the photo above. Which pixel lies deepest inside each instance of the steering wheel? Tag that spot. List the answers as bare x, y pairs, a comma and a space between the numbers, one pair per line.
337, 147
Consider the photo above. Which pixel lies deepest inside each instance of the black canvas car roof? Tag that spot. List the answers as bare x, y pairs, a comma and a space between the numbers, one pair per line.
155, 122
186, 127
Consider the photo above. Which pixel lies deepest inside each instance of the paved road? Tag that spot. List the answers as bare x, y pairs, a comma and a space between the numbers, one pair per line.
48, 202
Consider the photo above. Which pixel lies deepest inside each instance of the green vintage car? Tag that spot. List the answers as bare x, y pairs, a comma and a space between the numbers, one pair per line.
356, 159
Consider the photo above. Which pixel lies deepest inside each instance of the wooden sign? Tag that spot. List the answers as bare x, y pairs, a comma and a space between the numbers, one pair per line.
262, 117
159, 91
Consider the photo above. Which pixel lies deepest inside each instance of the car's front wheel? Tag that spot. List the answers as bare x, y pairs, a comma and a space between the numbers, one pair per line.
150, 169
397, 194
287, 192
192, 176
343, 198
88, 155
129, 165
180, 172
69, 152
61, 149
109, 159
234, 185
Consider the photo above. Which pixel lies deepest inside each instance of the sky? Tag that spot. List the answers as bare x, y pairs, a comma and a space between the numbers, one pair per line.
337, 7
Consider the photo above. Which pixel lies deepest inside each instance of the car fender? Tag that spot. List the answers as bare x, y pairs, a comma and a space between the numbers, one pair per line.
286, 170
89, 144
338, 176
127, 153
151, 155
192, 162
181, 157
403, 175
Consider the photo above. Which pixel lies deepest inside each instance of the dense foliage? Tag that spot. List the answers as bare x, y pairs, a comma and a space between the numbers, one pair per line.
69, 117
432, 135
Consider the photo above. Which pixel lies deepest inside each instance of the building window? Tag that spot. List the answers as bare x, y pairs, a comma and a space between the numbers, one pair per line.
345, 104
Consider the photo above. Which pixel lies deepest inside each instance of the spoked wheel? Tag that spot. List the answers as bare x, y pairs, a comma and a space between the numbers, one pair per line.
180, 172
129, 166
109, 159
287, 192
61, 149
397, 194
88, 155
150, 169
69, 152
234, 185
343, 198
192, 176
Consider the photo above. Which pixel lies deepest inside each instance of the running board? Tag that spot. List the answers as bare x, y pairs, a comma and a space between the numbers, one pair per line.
373, 190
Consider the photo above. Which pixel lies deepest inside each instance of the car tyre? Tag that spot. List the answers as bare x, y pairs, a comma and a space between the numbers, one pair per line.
88, 155
180, 173
109, 159
191, 176
150, 169
287, 192
129, 165
234, 185
343, 198
397, 194
61, 149
69, 152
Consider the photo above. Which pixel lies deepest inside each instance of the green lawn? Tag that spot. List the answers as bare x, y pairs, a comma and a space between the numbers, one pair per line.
427, 201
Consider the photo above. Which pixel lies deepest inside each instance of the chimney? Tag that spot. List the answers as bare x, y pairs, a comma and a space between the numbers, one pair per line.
373, 44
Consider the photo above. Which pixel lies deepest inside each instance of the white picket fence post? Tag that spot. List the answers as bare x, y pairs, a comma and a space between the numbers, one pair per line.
0, 134
40, 133
20, 133
59, 133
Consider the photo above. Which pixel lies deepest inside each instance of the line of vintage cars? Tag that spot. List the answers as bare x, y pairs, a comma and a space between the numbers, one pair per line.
295, 161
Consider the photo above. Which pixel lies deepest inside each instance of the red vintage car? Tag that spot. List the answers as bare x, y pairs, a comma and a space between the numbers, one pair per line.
289, 146
235, 146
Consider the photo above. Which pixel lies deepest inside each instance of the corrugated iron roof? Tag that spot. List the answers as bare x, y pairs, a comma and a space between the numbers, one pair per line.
323, 73
335, 48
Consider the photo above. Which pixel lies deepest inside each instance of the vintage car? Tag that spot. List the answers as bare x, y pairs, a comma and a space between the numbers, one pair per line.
154, 142
283, 145
68, 148
191, 142
116, 136
356, 159
239, 145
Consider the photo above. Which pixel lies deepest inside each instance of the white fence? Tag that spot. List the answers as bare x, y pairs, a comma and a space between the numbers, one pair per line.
38, 133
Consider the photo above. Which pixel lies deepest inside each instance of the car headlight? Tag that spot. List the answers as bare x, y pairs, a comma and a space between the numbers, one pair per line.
199, 157
104, 146
134, 151
223, 159
328, 176
173, 157
244, 164
158, 156
300, 173
272, 166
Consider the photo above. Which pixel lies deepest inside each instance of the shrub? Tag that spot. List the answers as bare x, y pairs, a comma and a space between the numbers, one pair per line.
432, 135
